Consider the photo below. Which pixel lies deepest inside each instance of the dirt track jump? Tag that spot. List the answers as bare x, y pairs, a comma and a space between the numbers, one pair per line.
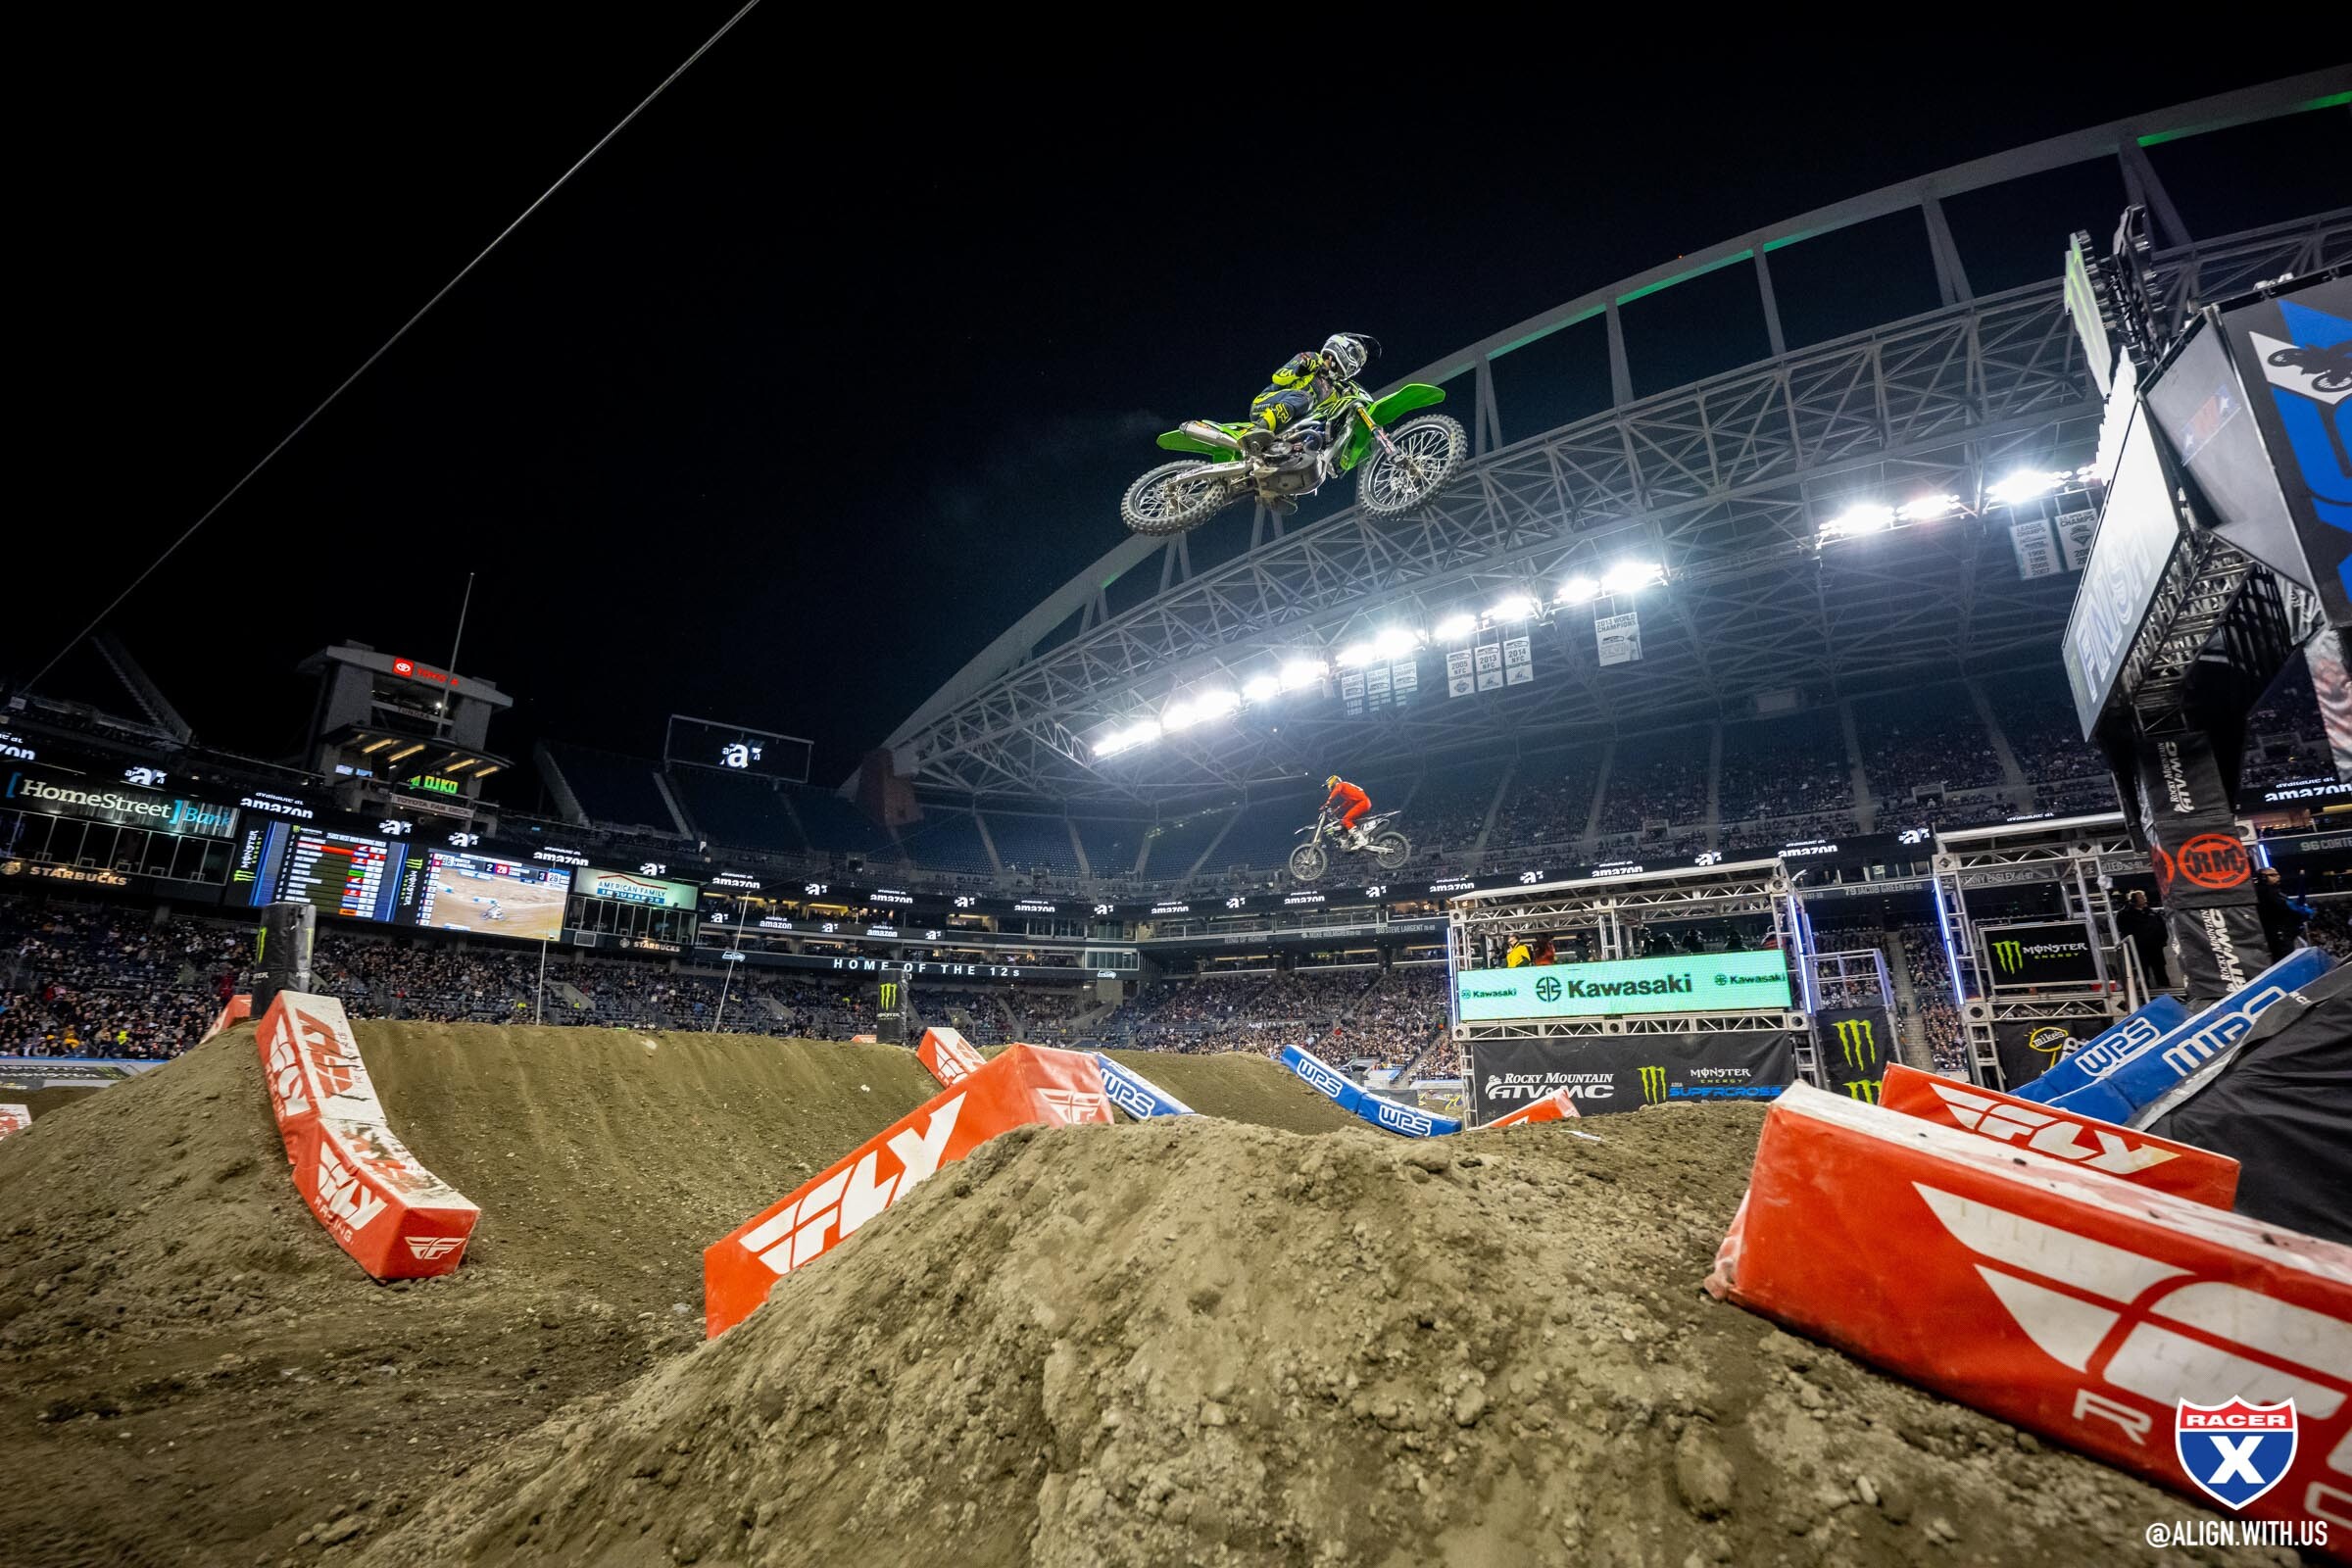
1265, 1335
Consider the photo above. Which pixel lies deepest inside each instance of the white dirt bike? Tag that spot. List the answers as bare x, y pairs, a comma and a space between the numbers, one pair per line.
1388, 849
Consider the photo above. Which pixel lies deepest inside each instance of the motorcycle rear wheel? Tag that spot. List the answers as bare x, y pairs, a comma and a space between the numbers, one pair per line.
1309, 862
1427, 452
1163, 502
1391, 851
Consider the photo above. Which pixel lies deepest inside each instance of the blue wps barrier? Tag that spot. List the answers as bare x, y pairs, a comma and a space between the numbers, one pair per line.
1136, 1094
2141, 1078
1410, 1121
2103, 1050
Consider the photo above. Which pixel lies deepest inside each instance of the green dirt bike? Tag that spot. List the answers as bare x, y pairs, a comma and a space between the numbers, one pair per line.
1407, 465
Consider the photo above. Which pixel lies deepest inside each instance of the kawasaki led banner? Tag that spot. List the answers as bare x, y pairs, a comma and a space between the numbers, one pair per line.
2056, 954
1704, 982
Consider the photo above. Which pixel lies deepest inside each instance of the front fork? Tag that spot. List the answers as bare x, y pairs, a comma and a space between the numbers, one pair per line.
1378, 434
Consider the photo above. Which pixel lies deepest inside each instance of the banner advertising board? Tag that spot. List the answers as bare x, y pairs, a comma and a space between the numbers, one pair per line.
1625, 1072
2045, 954
1699, 982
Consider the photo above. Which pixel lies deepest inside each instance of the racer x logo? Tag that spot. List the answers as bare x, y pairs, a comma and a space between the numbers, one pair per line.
837, 1205
2158, 1336
2047, 1134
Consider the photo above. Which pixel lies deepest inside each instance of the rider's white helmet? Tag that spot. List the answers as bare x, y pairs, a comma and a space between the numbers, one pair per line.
1347, 353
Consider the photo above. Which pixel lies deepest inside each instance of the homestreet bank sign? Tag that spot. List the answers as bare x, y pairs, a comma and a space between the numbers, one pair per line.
1708, 982
125, 807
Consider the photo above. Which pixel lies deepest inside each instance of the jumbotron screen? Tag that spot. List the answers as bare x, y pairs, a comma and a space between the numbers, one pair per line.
350, 875
1699, 982
493, 896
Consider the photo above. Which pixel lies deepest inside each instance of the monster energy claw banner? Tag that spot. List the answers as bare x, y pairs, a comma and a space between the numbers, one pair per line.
1625, 1072
2052, 954
2028, 1048
891, 1005
1854, 1045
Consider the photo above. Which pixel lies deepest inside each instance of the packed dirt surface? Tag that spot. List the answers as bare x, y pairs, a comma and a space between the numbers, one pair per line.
1239, 1088
1196, 1341
198, 1375
46, 1102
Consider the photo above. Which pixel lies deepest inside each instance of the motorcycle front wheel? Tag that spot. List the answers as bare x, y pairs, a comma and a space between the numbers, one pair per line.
1421, 456
1309, 862
1165, 501
1391, 851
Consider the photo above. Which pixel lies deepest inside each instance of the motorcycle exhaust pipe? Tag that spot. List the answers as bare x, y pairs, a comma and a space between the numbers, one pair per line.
1203, 430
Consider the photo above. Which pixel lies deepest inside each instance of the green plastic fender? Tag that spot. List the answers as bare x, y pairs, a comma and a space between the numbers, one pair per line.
1178, 441
1404, 400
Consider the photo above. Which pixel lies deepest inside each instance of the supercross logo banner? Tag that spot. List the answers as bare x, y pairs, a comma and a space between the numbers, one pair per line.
2235, 1452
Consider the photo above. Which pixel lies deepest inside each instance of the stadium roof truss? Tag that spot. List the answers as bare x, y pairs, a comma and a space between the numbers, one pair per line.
1726, 484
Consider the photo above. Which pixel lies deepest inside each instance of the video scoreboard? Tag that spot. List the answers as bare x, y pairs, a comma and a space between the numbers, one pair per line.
351, 875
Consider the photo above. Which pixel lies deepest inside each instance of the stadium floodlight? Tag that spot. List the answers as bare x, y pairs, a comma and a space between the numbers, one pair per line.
1512, 607
1927, 509
1301, 672
1868, 518
1394, 642
1125, 740
1354, 656
1578, 590
1453, 628
1215, 703
2025, 485
1263, 688
1627, 575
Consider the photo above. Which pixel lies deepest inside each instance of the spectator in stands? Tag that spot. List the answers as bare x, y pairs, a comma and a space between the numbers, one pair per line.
2282, 918
2144, 926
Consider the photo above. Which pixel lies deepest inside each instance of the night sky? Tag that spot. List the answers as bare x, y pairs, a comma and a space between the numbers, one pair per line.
827, 369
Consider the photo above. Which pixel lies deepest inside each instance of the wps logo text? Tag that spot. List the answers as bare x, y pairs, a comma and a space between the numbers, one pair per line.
836, 1206
1403, 1118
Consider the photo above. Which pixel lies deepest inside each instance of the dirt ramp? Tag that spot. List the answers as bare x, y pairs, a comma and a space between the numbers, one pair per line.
1198, 1342
611, 1158
1240, 1087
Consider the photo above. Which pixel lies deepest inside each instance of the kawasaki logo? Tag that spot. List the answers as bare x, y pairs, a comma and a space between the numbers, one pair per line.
1858, 1043
1547, 989
2047, 1133
1653, 1085
846, 1199
428, 1247
1661, 986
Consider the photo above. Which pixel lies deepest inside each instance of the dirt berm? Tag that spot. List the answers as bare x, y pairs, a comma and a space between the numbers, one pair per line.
195, 1373
1195, 1342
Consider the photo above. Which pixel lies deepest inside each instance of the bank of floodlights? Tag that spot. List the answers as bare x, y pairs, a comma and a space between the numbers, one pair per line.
1205, 703
1875, 516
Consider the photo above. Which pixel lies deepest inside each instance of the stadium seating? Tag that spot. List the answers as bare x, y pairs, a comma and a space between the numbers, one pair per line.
1033, 843
835, 826
611, 788
1263, 834
945, 839
1792, 766
1177, 844
1550, 799
736, 809
1924, 735
1448, 807
1112, 843
1655, 777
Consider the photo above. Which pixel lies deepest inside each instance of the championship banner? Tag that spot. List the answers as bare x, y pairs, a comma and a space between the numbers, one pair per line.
2027, 1048
2048, 953
1460, 680
1853, 1045
1607, 1073
2036, 550
1489, 659
1518, 661
1618, 637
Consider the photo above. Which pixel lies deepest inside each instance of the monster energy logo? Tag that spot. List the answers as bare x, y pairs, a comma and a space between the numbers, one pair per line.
1864, 1089
889, 995
1858, 1043
1653, 1085
2009, 957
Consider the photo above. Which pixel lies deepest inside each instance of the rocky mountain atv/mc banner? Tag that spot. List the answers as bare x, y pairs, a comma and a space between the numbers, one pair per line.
1625, 1072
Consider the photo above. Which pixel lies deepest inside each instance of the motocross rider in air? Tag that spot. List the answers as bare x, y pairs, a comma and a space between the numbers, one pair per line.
1350, 805
1306, 392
